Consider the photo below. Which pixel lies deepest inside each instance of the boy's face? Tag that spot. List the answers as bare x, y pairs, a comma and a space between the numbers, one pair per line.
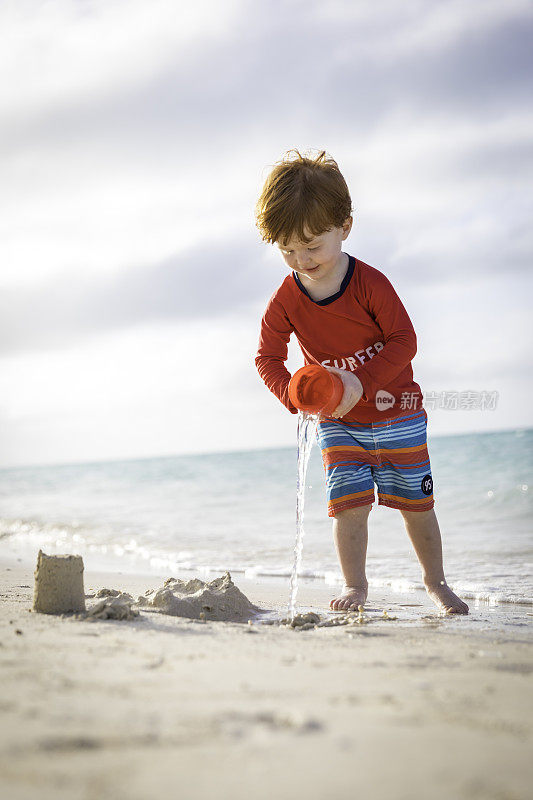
321, 257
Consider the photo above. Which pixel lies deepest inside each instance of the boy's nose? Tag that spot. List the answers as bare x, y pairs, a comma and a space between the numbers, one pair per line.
302, 260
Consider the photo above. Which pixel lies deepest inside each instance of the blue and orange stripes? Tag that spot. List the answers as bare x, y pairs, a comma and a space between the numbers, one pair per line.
392, 453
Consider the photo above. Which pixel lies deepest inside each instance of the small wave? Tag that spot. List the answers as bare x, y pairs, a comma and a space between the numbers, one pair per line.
107, 546
31, 528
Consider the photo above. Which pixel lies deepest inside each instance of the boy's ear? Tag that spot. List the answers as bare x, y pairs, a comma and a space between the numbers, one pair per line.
346, 227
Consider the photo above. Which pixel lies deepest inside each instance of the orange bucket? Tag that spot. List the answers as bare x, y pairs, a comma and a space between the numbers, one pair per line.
315, 389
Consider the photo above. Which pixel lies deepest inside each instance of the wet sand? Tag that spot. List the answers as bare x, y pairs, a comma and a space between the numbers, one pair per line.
421, 707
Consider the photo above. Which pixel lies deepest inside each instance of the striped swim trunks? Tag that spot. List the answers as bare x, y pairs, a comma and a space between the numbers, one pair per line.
391, 453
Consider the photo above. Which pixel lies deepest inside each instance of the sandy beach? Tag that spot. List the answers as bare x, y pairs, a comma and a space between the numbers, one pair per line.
424, 707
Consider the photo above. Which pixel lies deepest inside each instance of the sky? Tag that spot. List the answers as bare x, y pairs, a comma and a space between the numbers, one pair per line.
134, 141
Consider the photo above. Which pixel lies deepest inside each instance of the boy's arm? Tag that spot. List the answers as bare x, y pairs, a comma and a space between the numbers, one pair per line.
273, 350
398, 333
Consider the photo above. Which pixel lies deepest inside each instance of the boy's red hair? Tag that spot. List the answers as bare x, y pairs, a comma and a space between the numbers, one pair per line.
301, 194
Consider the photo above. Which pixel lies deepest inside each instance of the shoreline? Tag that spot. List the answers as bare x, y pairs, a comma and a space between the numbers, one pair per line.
411, 606
108, 708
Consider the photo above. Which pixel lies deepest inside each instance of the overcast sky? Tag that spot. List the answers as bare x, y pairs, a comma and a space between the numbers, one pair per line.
135, 138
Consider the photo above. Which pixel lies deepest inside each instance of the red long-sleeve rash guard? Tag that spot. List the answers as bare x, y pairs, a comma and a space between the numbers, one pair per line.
364, 328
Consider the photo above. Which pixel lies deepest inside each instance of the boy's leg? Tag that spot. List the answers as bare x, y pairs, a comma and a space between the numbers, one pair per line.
350, 532
424, 532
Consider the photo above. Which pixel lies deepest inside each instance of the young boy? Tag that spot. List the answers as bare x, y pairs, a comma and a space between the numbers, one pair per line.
347, 316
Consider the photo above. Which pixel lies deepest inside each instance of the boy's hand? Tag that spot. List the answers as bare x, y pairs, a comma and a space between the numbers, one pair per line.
353, 391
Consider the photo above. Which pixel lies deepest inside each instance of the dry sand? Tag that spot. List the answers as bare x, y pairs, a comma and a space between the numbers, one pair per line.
133, 708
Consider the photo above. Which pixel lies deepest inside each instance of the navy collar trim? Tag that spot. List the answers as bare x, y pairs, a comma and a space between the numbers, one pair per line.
344, 285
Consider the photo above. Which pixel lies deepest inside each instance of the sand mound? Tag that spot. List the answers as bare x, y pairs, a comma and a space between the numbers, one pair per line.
218, 600
113, 593
115, 605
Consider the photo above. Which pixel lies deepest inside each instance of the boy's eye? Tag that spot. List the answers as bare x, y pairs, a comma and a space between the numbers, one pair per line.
290, 252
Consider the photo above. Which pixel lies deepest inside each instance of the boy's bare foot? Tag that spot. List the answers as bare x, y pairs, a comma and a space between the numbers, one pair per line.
351, 597
445, 599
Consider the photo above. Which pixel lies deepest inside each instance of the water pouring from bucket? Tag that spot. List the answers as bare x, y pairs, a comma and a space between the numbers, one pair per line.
314, 390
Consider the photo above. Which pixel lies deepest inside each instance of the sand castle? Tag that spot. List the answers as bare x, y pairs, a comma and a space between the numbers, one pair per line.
58, 584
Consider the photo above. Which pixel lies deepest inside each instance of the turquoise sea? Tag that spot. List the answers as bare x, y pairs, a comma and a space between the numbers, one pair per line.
236, 511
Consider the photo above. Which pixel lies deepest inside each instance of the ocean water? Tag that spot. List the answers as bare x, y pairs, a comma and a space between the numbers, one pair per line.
237, 512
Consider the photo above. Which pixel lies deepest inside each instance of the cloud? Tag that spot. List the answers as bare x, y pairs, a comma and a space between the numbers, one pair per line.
136, 139
134, 74
149, 123
65, 54
212, 281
